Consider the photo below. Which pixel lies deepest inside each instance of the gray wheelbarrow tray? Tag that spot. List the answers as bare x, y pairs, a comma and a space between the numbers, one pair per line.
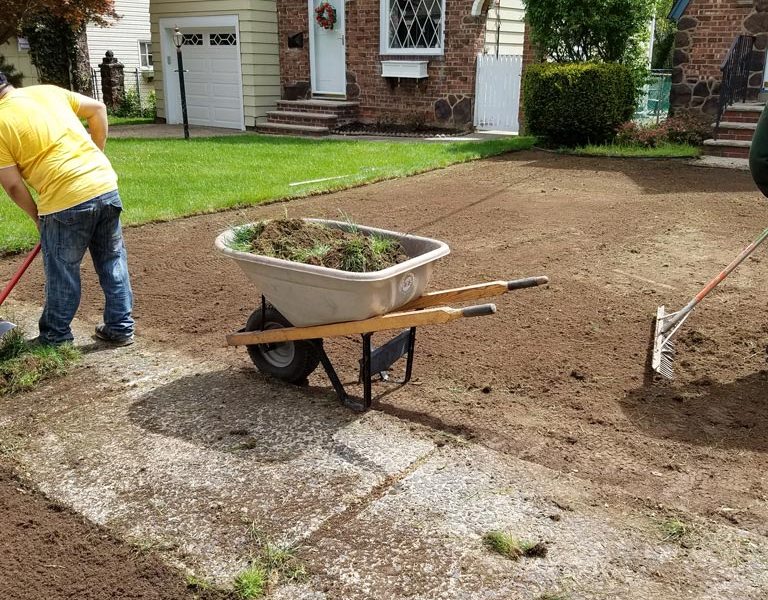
308, 304
311, 295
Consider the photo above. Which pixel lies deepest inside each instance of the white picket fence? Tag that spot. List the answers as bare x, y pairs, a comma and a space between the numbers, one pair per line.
497, 92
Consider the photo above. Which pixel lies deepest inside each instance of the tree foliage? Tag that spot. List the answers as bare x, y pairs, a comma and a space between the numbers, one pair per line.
589, 30
664, 36
13, 76
17, 14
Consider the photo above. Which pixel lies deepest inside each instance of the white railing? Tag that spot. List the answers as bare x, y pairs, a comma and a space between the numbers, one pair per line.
497, 92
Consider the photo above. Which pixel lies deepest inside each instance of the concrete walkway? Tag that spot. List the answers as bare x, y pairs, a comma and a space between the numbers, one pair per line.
185, 454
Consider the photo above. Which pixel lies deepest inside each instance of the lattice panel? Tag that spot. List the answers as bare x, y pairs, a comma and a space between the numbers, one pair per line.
415, 23
192, 39
223, 39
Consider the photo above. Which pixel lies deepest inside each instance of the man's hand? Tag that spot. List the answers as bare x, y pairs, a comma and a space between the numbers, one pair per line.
14, 186
95, 113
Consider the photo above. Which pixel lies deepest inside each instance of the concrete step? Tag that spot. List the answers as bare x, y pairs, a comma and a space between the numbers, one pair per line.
344, 110
743, 113
727, 148
288, 129
303, 118
736, 131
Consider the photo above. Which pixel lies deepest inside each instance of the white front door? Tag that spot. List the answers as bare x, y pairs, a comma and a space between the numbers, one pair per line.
327, 53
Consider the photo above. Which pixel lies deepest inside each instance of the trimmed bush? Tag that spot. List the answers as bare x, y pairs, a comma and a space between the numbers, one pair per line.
576, 104
685, 128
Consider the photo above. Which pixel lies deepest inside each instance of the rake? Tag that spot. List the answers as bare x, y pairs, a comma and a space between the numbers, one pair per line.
667, 324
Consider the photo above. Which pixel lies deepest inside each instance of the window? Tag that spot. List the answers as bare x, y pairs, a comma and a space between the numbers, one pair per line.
145, 55
412, 26
223, 39
192, 39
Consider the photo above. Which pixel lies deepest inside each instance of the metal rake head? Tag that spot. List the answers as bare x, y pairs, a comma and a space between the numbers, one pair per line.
663, 349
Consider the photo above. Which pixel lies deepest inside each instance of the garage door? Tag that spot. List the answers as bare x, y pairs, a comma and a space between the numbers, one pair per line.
212, 77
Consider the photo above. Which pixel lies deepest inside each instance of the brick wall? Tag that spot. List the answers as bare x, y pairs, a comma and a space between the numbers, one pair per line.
706, 31
445, 98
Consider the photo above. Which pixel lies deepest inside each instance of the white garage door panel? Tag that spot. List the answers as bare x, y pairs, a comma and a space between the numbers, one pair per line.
227, 115
213, 84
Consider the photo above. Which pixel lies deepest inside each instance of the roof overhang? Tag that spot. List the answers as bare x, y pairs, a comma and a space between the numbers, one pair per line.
678, 9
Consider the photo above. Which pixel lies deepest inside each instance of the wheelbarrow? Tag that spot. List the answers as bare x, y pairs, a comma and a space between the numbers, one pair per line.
302, 305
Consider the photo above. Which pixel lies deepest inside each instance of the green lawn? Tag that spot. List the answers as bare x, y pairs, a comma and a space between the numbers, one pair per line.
113, 120
616, 150
167, 179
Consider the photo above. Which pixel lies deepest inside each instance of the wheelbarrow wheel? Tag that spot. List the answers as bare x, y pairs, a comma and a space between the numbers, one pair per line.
291, 362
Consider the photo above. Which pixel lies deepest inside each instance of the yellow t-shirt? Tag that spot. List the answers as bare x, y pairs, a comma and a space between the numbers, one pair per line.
41, 134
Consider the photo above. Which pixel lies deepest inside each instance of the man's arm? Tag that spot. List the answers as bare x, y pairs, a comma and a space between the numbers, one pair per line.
13, 184
95, 113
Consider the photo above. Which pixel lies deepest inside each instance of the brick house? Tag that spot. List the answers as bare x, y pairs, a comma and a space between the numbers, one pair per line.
706, 32
387, 61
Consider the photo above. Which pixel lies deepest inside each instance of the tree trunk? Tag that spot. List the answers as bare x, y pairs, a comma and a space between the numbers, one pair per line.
80, 64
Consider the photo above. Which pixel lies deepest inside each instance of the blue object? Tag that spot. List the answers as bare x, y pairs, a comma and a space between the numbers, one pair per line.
678, 9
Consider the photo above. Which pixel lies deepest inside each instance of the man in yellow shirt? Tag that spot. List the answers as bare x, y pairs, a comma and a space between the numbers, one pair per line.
43, 143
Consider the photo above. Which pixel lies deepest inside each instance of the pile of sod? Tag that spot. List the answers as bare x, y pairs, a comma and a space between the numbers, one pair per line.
316, 244
23, 366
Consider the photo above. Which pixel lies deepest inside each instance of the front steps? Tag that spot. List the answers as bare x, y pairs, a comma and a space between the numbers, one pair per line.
736, 130
314, 117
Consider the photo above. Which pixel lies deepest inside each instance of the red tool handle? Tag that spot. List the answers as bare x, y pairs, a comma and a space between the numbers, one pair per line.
19, 273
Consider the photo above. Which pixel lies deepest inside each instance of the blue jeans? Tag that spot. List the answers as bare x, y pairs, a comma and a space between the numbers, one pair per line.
65, 236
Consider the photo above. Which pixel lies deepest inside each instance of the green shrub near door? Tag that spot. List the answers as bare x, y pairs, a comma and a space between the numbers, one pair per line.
575, 104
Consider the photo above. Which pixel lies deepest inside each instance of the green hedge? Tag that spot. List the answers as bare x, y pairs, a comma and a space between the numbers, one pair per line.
578, 103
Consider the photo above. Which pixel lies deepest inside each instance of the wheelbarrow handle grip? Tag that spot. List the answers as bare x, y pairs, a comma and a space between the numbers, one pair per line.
481, 310
519, 284
19, 273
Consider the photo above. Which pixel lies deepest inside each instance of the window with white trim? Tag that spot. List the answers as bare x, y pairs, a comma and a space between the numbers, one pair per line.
145, 54
412, 26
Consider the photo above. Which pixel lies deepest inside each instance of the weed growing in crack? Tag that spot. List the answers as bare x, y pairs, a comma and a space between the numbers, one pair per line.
271, 564
509, 546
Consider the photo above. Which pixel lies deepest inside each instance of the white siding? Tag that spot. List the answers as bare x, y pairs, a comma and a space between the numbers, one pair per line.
505, 27
123, 36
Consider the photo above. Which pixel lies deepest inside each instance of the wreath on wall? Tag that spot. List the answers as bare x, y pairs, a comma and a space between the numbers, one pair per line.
325, 15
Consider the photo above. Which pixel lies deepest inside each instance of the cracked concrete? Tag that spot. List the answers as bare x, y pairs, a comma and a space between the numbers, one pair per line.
185, 453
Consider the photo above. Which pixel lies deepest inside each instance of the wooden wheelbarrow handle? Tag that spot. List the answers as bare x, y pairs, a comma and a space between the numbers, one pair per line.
396, 320
473, 292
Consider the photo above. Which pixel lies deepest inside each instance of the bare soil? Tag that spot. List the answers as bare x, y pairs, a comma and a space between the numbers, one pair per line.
559, 376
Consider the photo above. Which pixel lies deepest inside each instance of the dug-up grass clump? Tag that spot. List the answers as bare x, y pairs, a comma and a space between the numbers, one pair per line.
513, 548
23, 366
316, 244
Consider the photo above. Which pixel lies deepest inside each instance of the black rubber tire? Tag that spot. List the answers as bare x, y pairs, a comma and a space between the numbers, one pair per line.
291, 362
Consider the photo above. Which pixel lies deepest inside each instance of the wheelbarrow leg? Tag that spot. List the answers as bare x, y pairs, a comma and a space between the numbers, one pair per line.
338, 387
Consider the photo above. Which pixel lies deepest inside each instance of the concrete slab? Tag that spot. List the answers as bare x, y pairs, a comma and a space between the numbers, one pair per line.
741, 164
187, 455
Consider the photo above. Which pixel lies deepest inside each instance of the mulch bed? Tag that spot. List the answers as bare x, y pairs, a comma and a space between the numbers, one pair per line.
396, 130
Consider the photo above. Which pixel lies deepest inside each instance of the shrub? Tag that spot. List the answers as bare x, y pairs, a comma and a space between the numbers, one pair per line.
578, 104
133, 106
14, 77
686, 128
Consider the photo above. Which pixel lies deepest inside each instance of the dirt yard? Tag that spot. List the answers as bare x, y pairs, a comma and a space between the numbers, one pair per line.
558, 377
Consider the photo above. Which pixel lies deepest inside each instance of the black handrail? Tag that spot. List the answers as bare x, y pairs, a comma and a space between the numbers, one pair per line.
735, 80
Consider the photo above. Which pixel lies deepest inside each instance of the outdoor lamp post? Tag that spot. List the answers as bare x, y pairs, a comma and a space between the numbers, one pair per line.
178, 40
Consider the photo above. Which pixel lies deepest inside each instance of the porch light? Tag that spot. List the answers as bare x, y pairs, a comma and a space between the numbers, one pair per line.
178, 41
